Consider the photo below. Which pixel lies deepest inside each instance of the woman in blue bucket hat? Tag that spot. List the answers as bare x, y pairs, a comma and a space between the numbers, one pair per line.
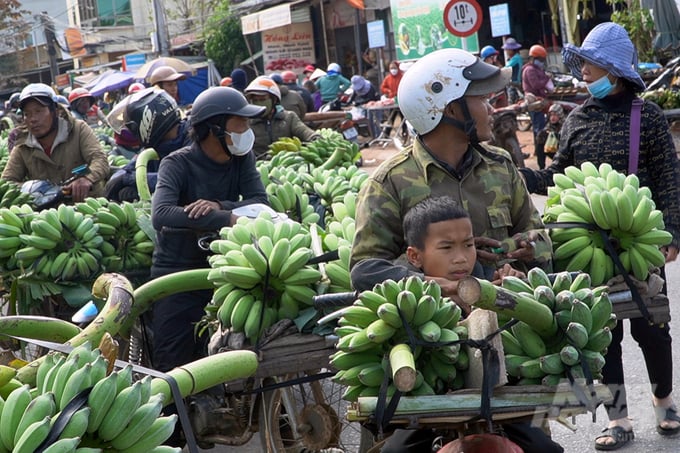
513, 60
599, 131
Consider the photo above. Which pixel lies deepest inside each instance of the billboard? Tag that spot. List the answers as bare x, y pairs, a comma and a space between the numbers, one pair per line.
419, 29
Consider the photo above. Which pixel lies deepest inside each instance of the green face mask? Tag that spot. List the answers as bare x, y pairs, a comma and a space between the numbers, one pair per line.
268, 103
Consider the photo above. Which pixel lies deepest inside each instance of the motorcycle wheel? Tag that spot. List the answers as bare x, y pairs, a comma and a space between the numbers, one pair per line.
309, 416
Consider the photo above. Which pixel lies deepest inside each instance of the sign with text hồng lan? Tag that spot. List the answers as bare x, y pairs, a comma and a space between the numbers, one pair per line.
290, 47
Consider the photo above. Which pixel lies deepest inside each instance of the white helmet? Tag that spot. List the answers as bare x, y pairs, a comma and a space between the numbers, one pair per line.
440, 77
264, 84
39, 91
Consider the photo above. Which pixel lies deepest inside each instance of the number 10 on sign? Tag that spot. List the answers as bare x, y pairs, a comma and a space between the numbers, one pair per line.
462, 17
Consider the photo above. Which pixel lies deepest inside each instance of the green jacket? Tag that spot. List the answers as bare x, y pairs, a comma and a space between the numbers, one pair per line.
76, 144
490, 189
283, 124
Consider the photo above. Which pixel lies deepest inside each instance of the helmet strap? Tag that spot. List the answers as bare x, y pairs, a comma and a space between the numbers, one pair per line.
220, 134
467, 125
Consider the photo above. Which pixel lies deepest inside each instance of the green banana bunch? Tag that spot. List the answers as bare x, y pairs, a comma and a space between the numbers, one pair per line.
15, 221
126, 246
291, 200
615, 203
261, 275
60, 244
584, 316
11, 195
120, 415
117, 160
369, 329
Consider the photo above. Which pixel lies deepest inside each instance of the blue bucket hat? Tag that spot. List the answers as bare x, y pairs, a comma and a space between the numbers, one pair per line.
607, 46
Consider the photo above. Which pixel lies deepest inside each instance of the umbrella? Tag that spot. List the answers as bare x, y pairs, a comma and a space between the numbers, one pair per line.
667, 23
109, 81
145, 71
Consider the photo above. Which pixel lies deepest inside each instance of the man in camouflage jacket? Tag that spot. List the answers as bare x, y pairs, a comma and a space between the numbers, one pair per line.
447, 159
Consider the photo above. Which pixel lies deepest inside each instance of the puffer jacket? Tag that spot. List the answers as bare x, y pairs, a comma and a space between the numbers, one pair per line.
75, 145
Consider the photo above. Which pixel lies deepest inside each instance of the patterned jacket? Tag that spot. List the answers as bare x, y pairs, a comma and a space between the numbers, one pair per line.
598, 131
488, 187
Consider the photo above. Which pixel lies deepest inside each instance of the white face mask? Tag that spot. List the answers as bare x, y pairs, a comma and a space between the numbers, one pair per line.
394, 71
242, 143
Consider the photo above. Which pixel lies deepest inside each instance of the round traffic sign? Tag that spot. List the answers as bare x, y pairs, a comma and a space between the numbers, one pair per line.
463, 17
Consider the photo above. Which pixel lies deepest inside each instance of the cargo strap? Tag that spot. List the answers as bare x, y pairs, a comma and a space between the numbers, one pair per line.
609, 248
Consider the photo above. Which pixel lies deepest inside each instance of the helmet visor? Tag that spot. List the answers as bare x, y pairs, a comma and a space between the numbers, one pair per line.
486, 78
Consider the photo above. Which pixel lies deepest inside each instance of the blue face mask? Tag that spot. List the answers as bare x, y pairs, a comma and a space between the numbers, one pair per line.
600, 88
539, 63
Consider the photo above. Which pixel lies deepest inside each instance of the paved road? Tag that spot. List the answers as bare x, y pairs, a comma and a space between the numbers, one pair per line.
639, 398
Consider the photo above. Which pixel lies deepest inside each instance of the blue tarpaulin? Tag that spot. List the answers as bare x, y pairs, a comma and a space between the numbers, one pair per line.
109, 81
206, 76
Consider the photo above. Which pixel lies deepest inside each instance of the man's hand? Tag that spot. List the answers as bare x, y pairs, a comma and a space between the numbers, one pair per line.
525, 246
79, 189
200, 208
506, 271
670, 252
483, 245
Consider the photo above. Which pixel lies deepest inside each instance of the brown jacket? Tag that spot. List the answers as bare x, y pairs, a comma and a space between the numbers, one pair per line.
75, 144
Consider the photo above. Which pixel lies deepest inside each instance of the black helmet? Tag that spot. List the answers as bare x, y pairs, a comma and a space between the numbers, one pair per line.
217, 101
150, 114
14, 100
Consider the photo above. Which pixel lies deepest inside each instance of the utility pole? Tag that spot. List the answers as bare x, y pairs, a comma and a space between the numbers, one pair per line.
162, 38
50, 40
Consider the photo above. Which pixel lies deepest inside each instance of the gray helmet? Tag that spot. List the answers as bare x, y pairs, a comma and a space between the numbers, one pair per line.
150, 114
217, 101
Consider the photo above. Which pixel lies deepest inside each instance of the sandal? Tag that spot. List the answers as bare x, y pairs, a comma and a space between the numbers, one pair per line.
666, 414
621, 437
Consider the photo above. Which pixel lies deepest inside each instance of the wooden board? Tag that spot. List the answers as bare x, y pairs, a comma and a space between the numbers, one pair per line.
508, 402
657, 306
295, 353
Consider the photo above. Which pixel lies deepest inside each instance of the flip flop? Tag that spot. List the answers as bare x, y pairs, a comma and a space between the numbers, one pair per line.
621, 437
666, 414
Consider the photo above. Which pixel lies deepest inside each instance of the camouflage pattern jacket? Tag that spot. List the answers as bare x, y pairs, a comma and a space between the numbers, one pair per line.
598, 131
489, 188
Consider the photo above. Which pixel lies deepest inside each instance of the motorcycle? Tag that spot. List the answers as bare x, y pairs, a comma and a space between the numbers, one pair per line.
47, 194
343, 102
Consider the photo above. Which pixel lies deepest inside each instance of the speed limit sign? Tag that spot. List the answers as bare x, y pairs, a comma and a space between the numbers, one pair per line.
462, 17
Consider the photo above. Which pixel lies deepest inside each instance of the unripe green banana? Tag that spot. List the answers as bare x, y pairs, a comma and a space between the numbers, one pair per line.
34, 435
12, 412
390, 314
139, 424
577, 335
121, 411
426, 307
76, 427
42, 406
407, 304
531, 342
161, 429
69, 445
77, 382
380, 331
100, 400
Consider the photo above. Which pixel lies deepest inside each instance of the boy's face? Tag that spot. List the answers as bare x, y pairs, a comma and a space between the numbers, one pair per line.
449, 250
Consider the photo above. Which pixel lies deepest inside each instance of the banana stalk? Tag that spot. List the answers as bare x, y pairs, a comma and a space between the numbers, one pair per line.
117, 291
484, 294
202, 374
141, 163
38, 328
